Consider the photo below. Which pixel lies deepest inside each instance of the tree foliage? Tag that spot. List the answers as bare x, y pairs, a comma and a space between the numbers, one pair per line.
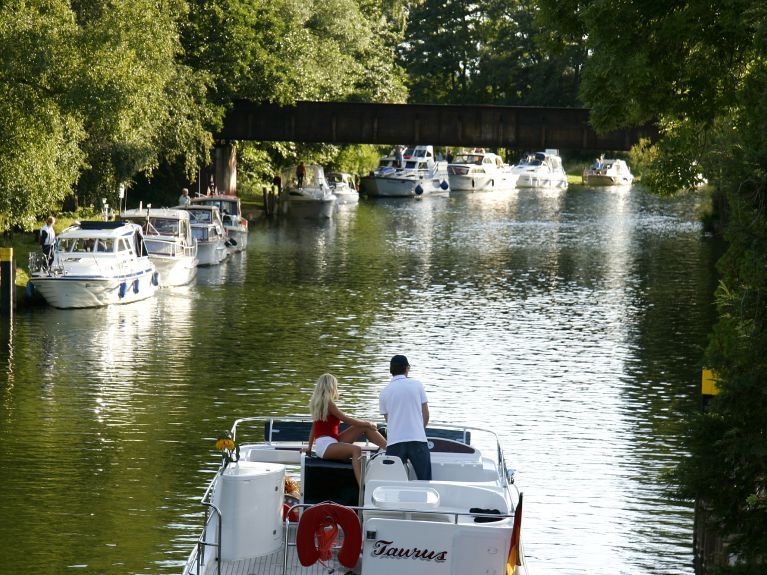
700, 70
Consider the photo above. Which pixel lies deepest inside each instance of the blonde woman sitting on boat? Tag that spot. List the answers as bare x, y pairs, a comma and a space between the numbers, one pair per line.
325, 437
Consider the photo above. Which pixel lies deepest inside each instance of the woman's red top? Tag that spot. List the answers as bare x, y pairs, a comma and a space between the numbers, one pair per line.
327, 427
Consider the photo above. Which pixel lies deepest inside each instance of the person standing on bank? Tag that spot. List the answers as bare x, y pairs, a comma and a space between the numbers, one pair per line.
404, 405
48, 239
325, 437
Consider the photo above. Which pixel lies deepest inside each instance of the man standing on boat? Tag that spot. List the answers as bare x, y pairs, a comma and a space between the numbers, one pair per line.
405, 407
48, 239
183, 199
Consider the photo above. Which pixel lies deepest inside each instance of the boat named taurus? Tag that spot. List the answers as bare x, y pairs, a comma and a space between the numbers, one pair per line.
272, 509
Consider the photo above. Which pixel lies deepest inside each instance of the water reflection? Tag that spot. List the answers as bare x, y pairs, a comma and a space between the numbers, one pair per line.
570, 322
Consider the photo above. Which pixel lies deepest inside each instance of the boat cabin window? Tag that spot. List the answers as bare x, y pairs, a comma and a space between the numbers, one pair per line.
200, 233
162, 227
124, 245
201, 216
104, 245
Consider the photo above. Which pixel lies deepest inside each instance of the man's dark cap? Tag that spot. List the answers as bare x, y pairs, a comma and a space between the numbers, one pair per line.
399, 360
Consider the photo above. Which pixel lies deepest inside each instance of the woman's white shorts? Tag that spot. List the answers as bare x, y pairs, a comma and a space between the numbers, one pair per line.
322, 443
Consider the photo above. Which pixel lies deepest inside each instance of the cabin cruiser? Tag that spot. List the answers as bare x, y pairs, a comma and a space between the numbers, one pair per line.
208, 229
541, 170
168, 239
309, 198
230, 208
417, 174
608, 173
273, 509
479, 171
342, 185
95, 263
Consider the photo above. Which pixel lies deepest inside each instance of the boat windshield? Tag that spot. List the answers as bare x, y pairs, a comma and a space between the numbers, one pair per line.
162, 227
201, 216
224, 206
468, 159
75, 245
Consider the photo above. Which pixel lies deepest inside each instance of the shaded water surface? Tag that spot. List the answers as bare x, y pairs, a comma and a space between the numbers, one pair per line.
570, 322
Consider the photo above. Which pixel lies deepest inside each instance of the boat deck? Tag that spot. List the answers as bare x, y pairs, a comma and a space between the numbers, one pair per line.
272, 565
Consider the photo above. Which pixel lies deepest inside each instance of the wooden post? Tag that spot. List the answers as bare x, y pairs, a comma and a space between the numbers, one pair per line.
7, 282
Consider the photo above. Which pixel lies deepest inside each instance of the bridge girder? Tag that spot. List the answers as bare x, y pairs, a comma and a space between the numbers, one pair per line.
518, 127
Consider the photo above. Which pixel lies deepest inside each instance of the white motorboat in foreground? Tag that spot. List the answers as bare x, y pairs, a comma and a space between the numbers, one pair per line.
541, 170
480, 171
311, 198
608, 173
273, 510
230, 208
208, 229
420, 175
95, 264
343, 188
168, 239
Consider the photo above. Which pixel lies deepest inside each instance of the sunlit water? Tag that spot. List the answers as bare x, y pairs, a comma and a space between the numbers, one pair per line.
572, 323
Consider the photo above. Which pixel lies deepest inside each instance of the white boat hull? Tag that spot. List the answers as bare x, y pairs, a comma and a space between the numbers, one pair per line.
391, 187
482, 182
240, 237
346, 198
175, 271
82, 292
300, 207
543, 181
211, 253
602, 180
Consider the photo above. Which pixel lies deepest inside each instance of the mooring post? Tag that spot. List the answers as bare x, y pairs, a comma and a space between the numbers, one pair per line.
7, 282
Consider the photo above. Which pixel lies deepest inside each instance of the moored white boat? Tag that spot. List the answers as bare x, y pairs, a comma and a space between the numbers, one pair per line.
608, 173
95, 264
208, 229
313, 198
168, 239
480, 171
230, 208
342, 186
541, 170
419, 175
273, 510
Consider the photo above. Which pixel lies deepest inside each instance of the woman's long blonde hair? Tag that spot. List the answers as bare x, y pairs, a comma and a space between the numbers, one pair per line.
325, 390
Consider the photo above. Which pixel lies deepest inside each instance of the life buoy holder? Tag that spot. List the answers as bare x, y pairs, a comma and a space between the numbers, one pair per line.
326, 517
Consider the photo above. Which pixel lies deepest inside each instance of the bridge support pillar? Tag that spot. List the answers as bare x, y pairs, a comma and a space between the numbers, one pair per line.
226, 168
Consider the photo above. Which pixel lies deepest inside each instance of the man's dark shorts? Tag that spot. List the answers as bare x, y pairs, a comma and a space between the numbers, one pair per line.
417, 453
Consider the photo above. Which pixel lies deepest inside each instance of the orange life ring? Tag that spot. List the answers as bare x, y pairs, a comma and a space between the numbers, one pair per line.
321, 516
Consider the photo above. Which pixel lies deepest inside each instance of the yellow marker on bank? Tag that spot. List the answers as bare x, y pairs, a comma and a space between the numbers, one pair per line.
6, 254
708, 382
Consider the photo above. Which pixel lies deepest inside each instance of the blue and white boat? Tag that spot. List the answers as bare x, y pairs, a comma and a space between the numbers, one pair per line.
95, 264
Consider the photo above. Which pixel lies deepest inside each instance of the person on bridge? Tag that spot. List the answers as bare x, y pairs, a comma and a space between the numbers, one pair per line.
404, 404
328, 442
301, 174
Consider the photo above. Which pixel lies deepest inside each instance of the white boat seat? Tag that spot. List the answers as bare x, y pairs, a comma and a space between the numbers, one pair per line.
386, 467
417, 497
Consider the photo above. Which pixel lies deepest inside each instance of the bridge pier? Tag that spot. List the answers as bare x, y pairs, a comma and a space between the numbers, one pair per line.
225, 161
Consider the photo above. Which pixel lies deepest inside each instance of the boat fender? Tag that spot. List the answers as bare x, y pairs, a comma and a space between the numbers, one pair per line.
323, 517
135, 286
30, 289
418, 190
155, 279
444, 185
123, 289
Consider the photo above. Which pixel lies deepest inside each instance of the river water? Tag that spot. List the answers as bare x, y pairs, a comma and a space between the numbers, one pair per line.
572, 323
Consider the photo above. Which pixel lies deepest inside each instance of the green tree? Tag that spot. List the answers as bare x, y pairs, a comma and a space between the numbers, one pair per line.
700, 71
